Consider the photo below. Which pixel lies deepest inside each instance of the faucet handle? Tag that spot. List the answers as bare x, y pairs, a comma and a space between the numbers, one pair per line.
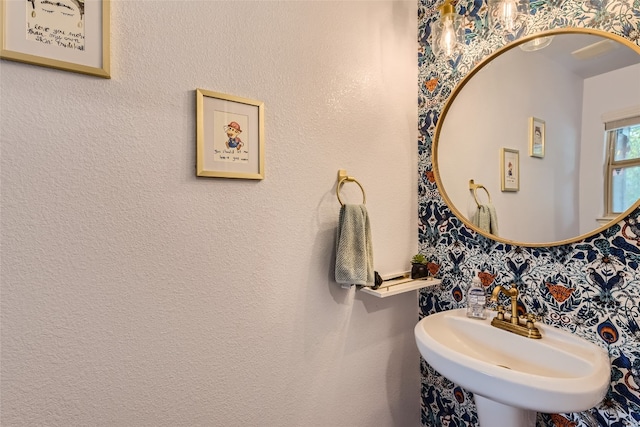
531, 317
500, 309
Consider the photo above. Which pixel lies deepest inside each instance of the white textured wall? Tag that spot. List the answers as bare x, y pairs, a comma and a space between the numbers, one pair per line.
134, 294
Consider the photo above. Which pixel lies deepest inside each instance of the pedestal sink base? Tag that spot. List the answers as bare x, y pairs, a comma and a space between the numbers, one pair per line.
491, 414
556, 374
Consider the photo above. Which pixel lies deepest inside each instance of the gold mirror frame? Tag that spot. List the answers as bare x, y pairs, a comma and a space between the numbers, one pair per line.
454, 94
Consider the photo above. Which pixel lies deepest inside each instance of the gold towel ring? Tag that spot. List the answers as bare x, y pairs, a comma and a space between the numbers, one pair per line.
474, 187
342, 178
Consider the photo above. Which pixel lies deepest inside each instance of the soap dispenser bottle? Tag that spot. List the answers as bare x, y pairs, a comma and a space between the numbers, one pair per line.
476, 300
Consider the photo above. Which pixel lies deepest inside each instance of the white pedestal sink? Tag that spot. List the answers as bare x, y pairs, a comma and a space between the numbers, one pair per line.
513, 377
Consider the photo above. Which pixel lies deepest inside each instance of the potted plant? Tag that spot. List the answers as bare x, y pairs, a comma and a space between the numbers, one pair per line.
419, 267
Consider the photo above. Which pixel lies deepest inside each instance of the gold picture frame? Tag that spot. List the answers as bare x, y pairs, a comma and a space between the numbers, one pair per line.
509, 170
68, 35
221, 152
536, 137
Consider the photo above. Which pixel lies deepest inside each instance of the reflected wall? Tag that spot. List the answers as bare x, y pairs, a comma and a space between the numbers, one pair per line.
511, 88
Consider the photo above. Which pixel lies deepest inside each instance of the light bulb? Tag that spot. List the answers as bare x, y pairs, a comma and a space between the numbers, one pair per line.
448, 38
447, 32
536, 44
508, 15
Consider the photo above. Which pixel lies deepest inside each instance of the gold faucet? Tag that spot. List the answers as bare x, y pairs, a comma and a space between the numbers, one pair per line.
513, 324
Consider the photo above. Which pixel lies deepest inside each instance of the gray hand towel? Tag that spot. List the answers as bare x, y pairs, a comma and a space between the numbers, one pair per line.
486, 219
354, 250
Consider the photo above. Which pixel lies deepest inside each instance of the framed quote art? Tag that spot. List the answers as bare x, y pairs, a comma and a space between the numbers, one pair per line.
71, 35
229, 136
509, 169
536, 137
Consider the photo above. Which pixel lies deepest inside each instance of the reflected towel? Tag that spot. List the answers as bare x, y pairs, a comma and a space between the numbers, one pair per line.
486, 219
354, 250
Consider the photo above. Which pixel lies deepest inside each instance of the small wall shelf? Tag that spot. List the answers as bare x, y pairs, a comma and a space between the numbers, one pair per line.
399, 286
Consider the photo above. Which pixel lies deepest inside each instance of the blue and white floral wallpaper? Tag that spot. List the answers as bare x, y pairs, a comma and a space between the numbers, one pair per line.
591, 287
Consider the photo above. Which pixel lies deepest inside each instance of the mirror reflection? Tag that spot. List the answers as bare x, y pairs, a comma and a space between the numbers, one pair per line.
528, 125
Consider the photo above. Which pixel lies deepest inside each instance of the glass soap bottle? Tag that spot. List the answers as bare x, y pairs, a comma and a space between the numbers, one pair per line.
476, 300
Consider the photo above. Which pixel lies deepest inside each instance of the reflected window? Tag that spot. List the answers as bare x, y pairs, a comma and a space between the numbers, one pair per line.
623, 164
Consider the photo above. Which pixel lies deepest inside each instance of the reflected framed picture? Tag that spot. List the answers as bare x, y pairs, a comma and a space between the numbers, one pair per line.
71, 35
509, 169
536, 137
229, 136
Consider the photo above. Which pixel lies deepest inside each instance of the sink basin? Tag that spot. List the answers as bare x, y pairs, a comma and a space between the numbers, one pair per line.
559, 373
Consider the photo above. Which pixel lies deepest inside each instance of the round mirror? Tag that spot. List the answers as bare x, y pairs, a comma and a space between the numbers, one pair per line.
521, 140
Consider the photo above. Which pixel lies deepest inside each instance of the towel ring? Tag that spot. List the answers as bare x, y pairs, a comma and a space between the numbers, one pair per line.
342, 178
474, 187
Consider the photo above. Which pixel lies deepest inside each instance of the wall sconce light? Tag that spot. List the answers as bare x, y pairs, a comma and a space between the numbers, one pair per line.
447, 32
509, 15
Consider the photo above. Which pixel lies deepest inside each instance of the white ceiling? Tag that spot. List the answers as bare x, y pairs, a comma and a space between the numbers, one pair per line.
618, 56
